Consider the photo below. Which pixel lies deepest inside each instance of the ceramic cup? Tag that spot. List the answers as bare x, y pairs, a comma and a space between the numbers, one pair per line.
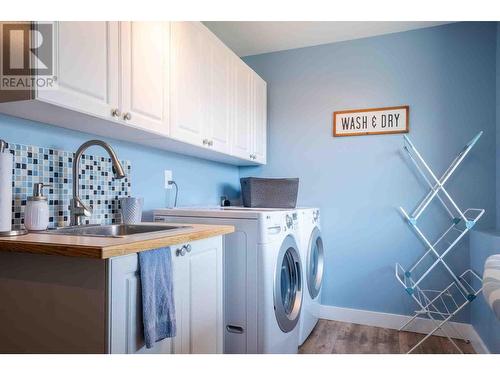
131, 210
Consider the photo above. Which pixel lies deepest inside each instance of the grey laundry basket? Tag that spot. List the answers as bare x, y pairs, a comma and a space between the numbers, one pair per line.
269, 192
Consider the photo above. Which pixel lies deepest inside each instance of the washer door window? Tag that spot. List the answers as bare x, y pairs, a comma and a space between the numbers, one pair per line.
315, 263
288, 286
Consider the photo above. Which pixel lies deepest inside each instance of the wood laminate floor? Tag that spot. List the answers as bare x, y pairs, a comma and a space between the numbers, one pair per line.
332, 337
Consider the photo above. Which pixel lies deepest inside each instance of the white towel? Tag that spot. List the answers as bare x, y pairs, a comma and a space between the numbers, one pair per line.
6, 161
491, 283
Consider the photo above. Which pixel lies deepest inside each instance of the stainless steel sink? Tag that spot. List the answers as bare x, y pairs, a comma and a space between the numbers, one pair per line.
118, 230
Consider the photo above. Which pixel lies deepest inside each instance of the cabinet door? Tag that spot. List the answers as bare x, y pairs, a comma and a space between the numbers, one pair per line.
242, 138
219, 69
198, 293
144, 79
187, 64
86, 67
126, 335
259, 131
205, 299
181, 295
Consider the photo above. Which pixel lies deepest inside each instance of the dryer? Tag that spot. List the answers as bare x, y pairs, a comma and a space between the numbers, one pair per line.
263, 280
312, 255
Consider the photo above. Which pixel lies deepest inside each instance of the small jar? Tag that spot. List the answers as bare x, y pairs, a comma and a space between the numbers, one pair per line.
36, 214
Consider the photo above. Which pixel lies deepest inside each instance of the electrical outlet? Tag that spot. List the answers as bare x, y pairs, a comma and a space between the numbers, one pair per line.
168, 177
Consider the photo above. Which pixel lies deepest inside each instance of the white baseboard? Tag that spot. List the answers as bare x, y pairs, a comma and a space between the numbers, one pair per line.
395, 321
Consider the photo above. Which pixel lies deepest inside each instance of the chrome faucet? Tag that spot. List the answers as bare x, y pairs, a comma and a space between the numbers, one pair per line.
77, 208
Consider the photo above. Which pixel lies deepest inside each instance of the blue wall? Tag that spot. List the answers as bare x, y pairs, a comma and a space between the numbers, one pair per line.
498, 123
486, 243
447, 76
200, 182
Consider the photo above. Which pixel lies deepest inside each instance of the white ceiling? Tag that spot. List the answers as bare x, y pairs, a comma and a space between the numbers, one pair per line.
252, 38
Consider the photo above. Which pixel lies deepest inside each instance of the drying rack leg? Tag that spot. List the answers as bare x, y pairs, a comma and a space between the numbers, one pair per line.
442, 328
429, 308
408, 322
439, 326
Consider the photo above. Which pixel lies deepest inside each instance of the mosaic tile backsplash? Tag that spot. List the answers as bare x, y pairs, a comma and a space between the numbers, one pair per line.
98, 188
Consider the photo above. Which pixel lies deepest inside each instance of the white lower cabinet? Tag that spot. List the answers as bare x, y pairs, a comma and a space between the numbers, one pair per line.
197, 268
125, 309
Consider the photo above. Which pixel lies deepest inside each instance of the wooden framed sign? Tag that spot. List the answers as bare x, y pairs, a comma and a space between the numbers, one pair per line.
387, 120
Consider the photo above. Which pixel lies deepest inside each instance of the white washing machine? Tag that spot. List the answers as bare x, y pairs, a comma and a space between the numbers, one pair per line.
263, 286
312, 255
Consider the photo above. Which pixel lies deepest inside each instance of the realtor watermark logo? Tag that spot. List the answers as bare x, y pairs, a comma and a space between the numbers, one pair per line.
27, 56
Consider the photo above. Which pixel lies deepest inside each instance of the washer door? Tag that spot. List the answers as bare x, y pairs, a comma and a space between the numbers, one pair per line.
288, 285
315, 263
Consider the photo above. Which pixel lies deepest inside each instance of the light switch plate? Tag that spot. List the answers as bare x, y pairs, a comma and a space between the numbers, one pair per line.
168, 177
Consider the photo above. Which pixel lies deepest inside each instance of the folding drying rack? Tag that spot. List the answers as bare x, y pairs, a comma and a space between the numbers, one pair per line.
440, 306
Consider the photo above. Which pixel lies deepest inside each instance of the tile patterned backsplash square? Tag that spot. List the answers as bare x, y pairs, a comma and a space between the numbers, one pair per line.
98, 188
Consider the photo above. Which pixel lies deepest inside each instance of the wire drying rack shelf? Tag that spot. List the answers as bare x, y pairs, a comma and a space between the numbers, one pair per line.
440, 306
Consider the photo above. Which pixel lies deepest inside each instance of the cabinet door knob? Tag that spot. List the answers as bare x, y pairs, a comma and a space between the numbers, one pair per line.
180, 252
205, 141
115, 112
210, 143
127, 116
188, 248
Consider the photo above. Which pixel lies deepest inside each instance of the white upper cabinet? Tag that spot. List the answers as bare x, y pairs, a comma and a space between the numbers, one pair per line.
259, 111
145, 74
250, 114
114, 70
86, 67
201, 91
168, 85
242, 129
187, 66
220, 96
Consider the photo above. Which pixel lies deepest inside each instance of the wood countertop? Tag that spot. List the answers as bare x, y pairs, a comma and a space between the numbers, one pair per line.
107, 247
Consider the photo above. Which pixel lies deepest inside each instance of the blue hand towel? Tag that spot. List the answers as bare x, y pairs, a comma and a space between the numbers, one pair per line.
158, 308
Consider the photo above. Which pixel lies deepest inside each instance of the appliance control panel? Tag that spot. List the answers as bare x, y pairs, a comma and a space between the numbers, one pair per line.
315, 216
291, 221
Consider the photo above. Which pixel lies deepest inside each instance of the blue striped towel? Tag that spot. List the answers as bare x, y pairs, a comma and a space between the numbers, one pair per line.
491, 283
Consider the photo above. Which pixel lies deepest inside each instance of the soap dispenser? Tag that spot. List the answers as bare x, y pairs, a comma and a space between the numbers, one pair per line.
36, 215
